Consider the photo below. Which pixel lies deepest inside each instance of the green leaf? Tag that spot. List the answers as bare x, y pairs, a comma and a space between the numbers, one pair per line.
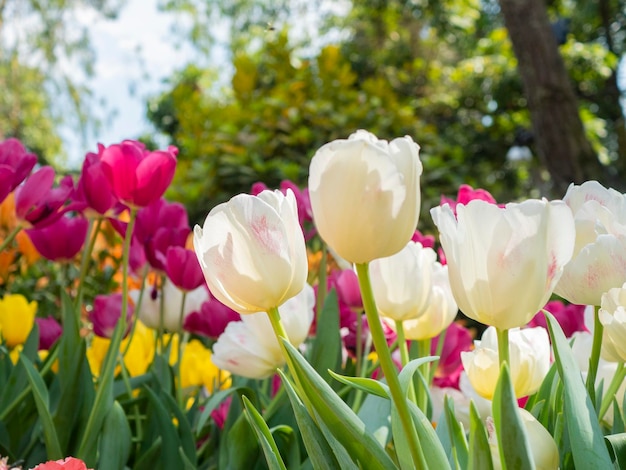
512, 440
588, 448
170, 443
401, 444
375, 412
326, 348
434, 452
342, 422
480, 455
406, 374
616, 444
214, 402
375, 387
318, 449
115, 440
272, 455
457, 434
40, 394
150, 459
188, 443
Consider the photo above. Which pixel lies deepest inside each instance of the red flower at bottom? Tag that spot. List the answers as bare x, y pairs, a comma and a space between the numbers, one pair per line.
70, 463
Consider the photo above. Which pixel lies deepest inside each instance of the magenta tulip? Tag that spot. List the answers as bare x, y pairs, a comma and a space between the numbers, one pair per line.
61, 240
106, 312
571, 317
211, 320
50, 331
137, 176
93, 186
347, 285
15, 165
183, 268
466, 194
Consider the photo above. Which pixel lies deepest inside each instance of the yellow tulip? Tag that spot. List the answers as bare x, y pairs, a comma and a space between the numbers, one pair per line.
17, 317
196, 368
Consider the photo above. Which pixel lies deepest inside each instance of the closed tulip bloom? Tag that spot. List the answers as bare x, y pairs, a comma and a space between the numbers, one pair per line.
106, 312
138, 177
61, 240
365, 195
599, 260
17, 317
249, 347
441, 309
93, 186
252, 252
15, 165
50, 331
529, 361
612, 315
402, 282
211, 320
503, 263
183, 269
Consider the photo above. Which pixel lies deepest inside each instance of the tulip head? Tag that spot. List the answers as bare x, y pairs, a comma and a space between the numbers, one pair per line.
15, 165
599, 259
529, 356
252, 252
503, 263
365, 195
106, 312
402, 283
17, 317
62, 239
49, 331
183, 269
612, 315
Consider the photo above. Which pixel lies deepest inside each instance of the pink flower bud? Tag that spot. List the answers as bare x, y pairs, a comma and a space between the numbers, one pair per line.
61, 240
106, 312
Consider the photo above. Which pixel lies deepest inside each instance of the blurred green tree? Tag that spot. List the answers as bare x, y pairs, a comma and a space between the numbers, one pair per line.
39, 89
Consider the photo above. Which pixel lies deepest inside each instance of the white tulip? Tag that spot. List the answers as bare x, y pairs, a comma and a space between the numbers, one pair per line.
612, 315
365, 195
402, 282
252, 252
249, 347
503, 263
149, 311
529, 361
599, 260
440, 311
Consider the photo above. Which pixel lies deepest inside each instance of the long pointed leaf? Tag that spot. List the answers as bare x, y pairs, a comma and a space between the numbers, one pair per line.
115, 440
272, 455
480, 455
326, 348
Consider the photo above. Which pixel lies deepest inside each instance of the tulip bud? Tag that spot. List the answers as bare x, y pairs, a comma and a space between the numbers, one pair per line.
17, 316
365, 195
15, 165
61, 240
529, 358
49, 331
252, 252
106, 312
495, 253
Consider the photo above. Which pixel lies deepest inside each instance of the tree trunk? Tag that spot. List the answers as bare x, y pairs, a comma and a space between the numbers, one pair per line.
559, 133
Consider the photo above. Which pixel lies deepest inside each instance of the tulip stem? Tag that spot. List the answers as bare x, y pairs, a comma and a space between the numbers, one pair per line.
609, 394
359, 344
92, 235
10, 237
387, 365
404, 358
423, 350
594, 359
503, 346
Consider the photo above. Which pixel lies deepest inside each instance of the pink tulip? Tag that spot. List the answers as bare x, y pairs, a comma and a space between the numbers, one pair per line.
466, 194
457, 339
50, 331
571, 317
93, 186
347, 285
106, 312
427, 241
160, 225
183, 268
15, 165
138, 177
62, 239
211, 320
38, 204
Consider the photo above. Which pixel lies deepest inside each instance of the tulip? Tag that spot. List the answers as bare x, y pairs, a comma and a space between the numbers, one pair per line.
137, 176
545, 453
159, 226
365, 195
427, 241
50, 331
571, 318
38, 204
93, 186
457, 340
347, 285
106, 313
69, 463
466, 194
196, 368
402, 282
503, 263
252, 252
441, 309
150, 310
529, 361
250, 348
612, 315
17, 317
599, 260
62, 239
15, 165
183, 269
211, 320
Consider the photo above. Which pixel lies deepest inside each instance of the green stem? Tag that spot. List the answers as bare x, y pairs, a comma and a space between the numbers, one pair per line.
179, 356
609, 393
435, 364
404, 358
423, 350
359, 344
10, 237
104, 394
503, 346
387, 365
595, 355
133, 327
92, 235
